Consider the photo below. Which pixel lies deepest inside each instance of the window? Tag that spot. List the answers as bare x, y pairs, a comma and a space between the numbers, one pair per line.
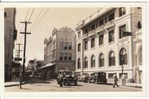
139, 25
101, 39
93, 61
111, 16
122, 11
5, 14
111, 35
101, 60
111, 58
110, 75
79, 47
85, 44
122, 30
79, 34
123, 56
70, 47
101, 22
79, 65
86, 31
125, 75
139, 7
65, 48
69, 56
105, 19
61, 58
93, 27
85, 62
92, 42
65, 58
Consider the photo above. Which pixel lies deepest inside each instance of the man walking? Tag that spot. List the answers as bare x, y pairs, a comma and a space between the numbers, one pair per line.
115, 81
60, 79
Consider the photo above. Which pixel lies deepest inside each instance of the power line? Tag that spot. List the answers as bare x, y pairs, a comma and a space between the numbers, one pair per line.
21, 27
27, 14
31, 14
41, 16
38, 16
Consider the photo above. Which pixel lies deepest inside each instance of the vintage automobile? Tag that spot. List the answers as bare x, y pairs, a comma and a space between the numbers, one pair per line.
69, 78
101, 77
92, 78
98, 77
85, 77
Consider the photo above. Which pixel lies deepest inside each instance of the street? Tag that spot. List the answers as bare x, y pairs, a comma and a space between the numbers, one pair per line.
83, 87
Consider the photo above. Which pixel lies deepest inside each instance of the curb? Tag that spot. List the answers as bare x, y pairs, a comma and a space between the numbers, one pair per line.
12, 85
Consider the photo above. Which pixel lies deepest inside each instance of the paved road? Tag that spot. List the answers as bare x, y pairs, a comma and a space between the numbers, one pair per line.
83, 87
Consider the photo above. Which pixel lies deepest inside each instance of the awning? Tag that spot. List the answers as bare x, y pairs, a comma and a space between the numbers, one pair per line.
47, 65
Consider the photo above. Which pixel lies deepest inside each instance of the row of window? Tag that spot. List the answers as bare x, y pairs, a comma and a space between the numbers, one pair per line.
103, 19
112, 61
111, 75
65, 45
122, 33
65, 57
68, 47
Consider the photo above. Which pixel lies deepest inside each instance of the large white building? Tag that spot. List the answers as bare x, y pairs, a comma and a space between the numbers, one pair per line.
110, 41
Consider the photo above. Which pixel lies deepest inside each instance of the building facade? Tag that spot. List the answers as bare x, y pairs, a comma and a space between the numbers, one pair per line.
9, 39
59, 49
111, 41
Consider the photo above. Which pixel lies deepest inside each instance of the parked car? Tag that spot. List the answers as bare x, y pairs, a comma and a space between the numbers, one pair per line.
101, 77
85, 77
92, 78
69, 78
27, 76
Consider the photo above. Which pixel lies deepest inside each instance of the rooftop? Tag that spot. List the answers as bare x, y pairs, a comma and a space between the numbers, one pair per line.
90, 18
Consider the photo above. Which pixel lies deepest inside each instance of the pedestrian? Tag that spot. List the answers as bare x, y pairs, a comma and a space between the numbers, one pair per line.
60, 79
115, 81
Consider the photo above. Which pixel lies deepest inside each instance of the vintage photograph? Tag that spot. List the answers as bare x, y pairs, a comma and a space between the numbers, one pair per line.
77, 49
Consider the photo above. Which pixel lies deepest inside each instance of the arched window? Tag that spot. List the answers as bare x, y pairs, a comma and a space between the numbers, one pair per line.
79, 65
85, 62
123, 56
93, 61
111, 58
101, 60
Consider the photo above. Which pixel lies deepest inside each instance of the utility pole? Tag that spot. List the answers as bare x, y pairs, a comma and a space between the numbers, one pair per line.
24, 60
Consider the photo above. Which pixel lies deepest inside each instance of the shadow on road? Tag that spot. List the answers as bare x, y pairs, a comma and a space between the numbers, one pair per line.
37, 81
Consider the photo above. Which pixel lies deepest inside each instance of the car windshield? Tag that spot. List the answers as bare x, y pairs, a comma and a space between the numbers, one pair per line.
68, 73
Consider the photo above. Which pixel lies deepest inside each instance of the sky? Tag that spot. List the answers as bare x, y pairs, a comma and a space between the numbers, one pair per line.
43, 21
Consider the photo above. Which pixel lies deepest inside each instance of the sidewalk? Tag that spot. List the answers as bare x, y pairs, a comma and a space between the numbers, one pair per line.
17, 83
9, 84
134, 85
